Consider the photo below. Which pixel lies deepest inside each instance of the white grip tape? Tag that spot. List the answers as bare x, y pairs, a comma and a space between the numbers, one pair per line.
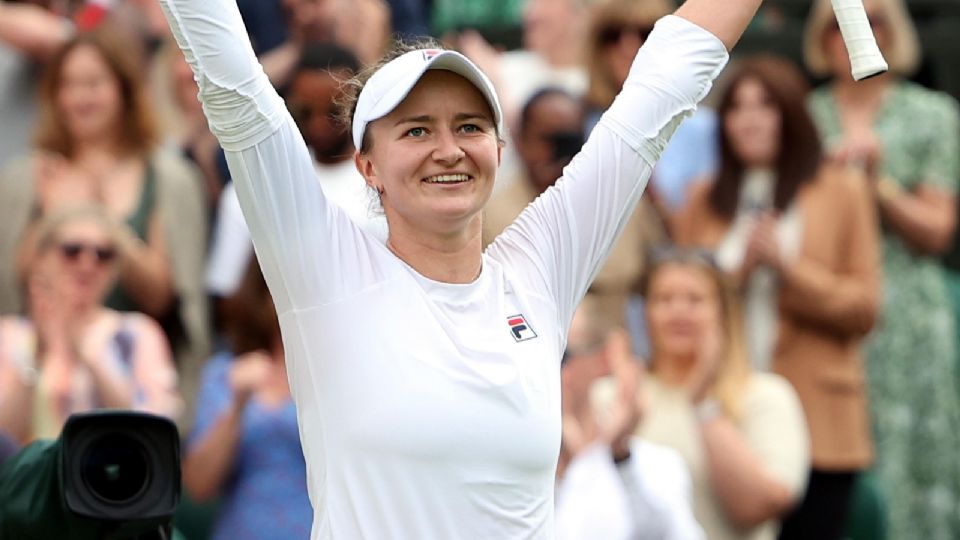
865, 57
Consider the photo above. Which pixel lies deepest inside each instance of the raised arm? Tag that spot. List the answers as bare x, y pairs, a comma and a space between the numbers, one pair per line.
567, 233
298, 235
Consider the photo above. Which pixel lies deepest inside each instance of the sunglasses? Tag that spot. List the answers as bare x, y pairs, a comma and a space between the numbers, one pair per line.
578, 351
72, 251
611, 35
683, 255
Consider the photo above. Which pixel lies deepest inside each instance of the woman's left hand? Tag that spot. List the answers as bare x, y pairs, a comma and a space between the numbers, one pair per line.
763, 246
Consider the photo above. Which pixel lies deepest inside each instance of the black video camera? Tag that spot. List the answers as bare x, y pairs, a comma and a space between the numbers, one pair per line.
111, 475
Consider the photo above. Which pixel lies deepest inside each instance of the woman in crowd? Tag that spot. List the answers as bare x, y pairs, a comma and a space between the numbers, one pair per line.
245, 448
908, 140
95, 144
741, 432
72, 354
799, 238
617, 30
610, 483
425, 369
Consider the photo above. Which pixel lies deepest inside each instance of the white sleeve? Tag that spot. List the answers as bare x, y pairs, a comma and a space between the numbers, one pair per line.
560, 241
230, 249
310, 252
658, 488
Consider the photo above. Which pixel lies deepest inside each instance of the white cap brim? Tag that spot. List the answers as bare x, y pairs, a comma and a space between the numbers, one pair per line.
391, 84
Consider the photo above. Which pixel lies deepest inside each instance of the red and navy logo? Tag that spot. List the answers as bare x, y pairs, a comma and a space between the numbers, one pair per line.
520, 328
429, 54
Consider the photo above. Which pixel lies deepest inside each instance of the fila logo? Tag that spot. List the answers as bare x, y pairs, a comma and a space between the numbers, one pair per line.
428, 54
520, 329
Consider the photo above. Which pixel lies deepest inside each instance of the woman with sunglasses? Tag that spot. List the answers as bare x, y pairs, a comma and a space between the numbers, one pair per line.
425, 370
741, 433
617, 30
72, 354
907, 139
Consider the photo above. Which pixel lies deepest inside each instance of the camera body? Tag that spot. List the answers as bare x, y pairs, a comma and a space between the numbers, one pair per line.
110, 475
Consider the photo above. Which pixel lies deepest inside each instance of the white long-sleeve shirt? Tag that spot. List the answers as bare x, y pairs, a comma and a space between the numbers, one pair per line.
431, 410
647, 497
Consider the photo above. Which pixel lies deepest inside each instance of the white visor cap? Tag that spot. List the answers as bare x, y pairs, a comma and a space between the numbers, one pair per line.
392, 82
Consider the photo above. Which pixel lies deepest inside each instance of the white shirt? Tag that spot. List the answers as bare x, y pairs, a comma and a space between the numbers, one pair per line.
648, 497
772, 425
761, 311
430, 410
231, 247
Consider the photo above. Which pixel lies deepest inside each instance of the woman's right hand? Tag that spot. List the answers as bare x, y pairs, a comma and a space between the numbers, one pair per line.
48, 310
704, 373
247, 374
58, 185
862, 151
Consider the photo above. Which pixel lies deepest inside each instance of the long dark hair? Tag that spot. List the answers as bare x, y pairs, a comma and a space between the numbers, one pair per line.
138, 133
800, 152
252, 321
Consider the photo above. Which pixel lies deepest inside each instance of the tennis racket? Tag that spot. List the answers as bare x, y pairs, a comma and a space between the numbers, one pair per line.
865, 57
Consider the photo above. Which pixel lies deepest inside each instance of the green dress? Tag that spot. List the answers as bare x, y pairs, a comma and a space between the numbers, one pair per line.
910, 356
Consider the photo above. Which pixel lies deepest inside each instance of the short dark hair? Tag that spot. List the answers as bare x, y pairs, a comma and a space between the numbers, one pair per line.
537, 97
327, 57
800, 150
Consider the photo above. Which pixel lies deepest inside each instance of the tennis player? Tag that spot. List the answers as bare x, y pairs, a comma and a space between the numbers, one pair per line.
426, 372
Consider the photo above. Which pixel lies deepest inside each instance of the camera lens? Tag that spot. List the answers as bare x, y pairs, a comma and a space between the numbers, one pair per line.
115, 468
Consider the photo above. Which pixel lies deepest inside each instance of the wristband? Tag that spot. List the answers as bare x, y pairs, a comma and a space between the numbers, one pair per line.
887, 189
707, 410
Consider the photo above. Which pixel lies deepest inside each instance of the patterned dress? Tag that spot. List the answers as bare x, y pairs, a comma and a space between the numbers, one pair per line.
265, 497
912, 386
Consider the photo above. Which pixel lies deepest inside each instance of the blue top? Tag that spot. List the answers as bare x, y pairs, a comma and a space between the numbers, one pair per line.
265, 496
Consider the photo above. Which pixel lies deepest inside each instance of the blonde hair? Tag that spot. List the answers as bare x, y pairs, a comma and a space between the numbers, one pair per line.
734, 370
602, 88
902, 52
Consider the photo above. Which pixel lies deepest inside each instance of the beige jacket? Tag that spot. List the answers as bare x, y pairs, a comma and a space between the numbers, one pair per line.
828, 301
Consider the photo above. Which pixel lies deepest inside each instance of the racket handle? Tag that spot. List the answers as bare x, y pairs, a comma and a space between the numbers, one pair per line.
865, 57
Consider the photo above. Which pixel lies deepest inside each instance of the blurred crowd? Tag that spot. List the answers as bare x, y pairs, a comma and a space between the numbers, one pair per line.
771, 350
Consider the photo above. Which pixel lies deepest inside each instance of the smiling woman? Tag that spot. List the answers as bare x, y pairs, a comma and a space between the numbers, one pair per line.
426, 371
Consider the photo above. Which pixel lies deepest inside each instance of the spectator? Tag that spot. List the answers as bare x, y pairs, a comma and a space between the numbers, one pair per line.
549, 134
29, 33
906, 137
73, 354
245, 447
8, 448
740, 432
800, 238
312, 99
613, 485
185, 125
95, 144
617, 30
